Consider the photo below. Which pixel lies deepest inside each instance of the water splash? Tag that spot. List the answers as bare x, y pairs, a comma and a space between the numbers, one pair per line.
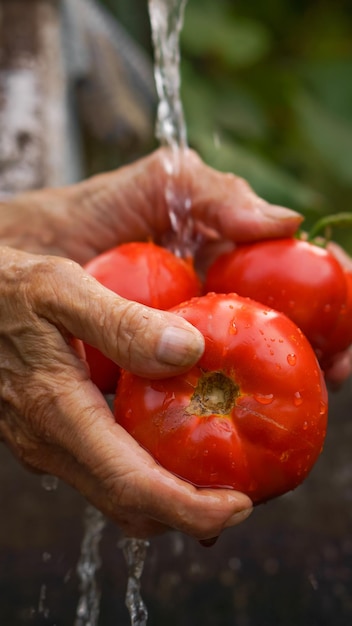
166, 18
87, 613
134, 551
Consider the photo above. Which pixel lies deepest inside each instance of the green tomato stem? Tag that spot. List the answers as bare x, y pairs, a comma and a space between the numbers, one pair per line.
326, 224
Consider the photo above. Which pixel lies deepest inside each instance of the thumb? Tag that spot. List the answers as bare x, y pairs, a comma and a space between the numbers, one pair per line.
146, 341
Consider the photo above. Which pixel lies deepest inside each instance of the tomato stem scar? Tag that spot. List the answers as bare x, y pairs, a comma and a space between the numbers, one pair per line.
215, 393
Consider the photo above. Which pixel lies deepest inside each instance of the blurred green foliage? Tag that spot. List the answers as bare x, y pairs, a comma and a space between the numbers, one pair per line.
267, 93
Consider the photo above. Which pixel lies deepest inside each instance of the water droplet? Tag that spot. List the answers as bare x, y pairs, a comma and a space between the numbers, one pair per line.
291, 304
327, 308
264, 398
205, 452
297, 400
322, 408
305, 425
284, 457
291, 359
281, 341
233, 328
271, 352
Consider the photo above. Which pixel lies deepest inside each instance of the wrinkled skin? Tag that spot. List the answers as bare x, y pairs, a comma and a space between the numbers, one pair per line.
52, 416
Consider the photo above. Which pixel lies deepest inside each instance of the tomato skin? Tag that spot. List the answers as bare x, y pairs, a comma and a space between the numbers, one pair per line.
103, 372
293, 276
266, 422
145, 273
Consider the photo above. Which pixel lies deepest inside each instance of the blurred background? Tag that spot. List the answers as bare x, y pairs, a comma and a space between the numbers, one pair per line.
267, 94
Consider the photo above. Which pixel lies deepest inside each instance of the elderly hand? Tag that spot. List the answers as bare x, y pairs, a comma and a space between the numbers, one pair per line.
129, 204
52, 416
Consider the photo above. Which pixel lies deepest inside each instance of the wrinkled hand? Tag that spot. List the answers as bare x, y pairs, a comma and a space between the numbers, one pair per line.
129, 204
52, 416
55, 420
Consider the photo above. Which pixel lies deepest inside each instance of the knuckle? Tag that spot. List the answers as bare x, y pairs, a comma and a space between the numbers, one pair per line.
52, 278
135, 331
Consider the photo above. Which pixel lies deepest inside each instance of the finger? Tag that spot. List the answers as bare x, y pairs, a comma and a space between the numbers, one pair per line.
80, 443
141, 339
129, 478
39, 455
229, 205
60, 424
133, 201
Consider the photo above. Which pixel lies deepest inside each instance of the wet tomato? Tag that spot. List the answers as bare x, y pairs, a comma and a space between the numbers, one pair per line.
145, 273
250, 415
301, 279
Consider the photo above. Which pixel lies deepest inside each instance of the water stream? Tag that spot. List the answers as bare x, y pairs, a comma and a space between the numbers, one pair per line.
135, 551
87, 613
166, 18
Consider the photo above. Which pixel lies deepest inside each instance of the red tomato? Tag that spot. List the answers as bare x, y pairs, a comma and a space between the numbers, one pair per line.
251, 415
293, 276
145, 273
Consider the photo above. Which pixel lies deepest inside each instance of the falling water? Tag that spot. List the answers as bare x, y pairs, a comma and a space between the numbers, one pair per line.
166, 18
87, 613
135, 551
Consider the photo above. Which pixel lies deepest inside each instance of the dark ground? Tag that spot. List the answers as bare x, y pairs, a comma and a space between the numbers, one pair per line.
290, 564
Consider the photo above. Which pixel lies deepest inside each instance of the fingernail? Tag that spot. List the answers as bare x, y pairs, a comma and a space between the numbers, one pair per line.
281, 213
180, 346
237, 518
207, 543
